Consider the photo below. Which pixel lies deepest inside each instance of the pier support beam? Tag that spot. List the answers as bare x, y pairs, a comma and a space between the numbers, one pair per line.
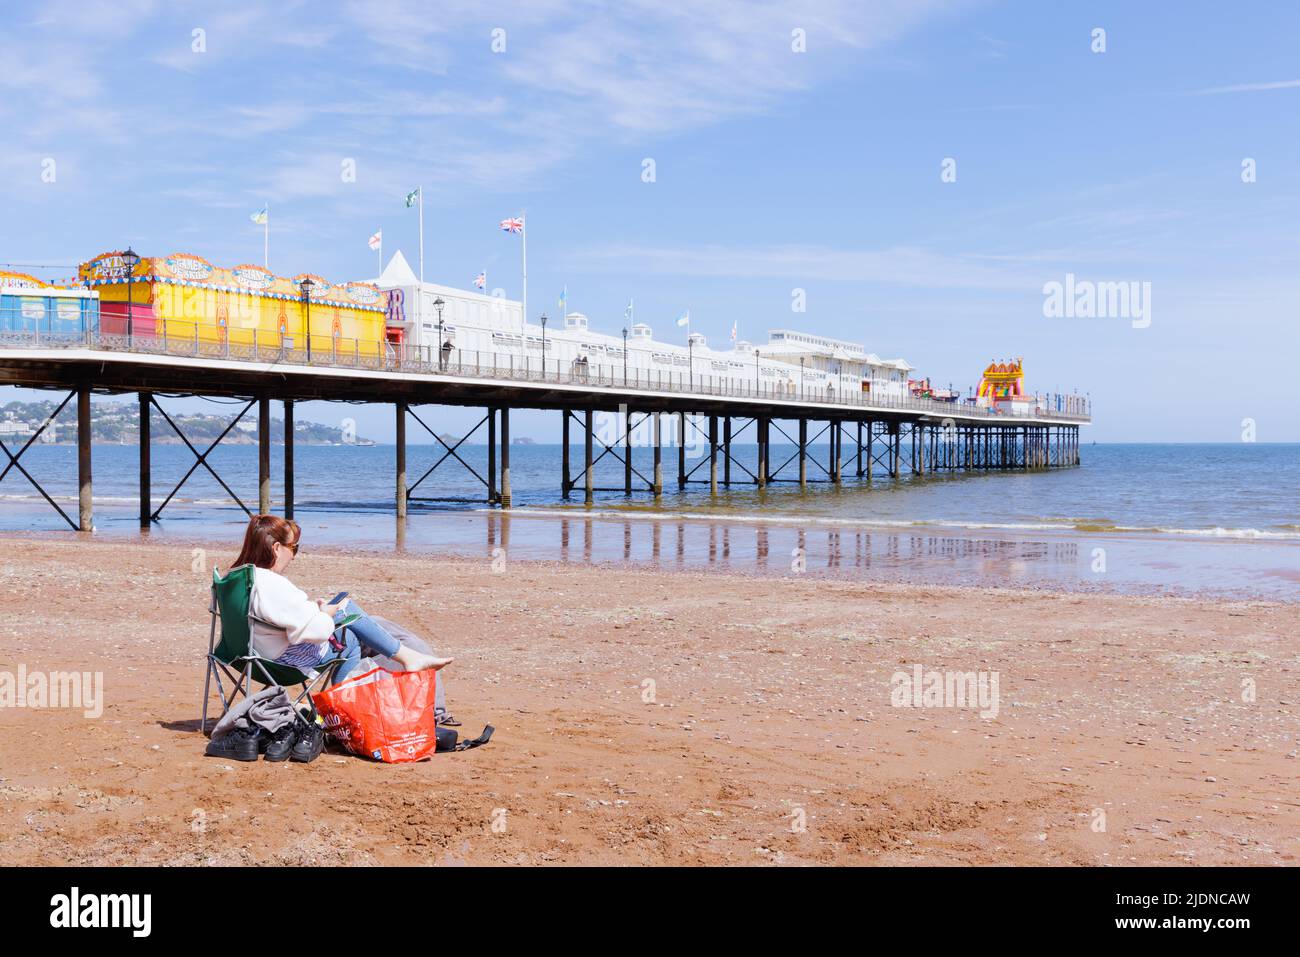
589, 493
713, 455
263, 455
400, 452
146, 473
760, 425
871, 437
803, 453
837, 457
659, 458
627, 450
505, 456
85, 507
565, 483
859, 469
895, 449
681, 451
726, 451
288, 458
492, 495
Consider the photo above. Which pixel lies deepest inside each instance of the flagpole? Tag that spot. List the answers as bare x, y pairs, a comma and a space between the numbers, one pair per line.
266, 238
523, 236
419, 311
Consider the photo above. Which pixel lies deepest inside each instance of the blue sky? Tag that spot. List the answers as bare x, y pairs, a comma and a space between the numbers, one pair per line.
775, 170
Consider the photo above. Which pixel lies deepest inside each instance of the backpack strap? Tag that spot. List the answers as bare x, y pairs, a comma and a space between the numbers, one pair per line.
482, 739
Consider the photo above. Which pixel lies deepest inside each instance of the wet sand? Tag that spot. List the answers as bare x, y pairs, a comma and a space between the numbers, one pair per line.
666, 717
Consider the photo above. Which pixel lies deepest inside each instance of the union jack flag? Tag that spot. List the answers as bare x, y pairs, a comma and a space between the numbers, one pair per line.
481, 279
515, 225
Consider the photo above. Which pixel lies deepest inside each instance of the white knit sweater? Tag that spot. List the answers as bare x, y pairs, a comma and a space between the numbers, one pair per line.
283, 615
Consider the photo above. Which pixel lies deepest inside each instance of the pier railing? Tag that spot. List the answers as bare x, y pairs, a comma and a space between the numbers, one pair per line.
340, 353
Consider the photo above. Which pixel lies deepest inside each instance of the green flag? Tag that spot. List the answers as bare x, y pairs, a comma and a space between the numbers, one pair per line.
412, 196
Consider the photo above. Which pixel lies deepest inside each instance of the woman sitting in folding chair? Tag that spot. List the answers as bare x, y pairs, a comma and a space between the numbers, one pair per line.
291, 629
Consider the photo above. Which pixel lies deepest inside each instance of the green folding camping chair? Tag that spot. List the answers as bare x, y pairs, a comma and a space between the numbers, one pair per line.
234, 656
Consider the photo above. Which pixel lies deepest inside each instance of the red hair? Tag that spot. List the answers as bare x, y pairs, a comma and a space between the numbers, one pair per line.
263, 532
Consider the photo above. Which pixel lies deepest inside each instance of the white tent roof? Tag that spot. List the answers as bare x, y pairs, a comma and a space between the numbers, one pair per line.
397, 273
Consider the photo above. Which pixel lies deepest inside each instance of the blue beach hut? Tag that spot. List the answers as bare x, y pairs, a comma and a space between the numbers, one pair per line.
29, 305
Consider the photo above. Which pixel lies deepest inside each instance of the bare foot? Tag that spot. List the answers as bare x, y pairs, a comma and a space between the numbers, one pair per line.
413, 660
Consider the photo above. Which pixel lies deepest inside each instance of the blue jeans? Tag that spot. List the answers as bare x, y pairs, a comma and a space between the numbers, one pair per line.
362, 632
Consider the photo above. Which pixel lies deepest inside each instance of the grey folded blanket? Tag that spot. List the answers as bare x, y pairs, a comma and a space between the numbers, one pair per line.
269, 709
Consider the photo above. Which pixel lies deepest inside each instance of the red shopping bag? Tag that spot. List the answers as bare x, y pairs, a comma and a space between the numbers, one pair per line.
383, 715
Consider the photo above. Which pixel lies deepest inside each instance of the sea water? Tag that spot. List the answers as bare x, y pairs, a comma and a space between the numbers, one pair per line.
1185, 519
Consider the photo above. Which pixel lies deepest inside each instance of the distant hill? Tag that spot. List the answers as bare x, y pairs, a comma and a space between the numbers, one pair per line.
119, 423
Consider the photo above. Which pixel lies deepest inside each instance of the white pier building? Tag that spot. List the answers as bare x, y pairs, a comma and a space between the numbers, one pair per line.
485, 330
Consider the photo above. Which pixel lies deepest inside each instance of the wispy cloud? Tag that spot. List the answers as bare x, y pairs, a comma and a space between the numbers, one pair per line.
361, 76
1248, 87
899, 265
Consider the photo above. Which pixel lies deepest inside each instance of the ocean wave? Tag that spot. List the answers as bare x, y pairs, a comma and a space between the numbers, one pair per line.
1219, 532
750, 518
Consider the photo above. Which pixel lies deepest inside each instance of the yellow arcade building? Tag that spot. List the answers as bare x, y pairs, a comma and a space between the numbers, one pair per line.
185, 297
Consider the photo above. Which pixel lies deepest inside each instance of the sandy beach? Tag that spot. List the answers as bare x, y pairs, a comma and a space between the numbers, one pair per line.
658, 717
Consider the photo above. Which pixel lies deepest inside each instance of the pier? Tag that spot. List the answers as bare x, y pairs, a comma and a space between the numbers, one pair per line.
866, 436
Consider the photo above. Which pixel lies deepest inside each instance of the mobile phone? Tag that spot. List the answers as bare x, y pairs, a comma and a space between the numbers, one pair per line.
338, 598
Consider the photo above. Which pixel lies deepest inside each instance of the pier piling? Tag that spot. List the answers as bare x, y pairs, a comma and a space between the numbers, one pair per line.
263, 454
681, 451
565, 483
803, 453
713, 455
146, 493
505, 456
627, 450
85, 506
288, 458
659, 459
492, 494
400, 452
726, 451
589, 490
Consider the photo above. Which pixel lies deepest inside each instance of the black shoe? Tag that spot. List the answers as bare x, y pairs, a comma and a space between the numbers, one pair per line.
310, 743
238, 745
277, 746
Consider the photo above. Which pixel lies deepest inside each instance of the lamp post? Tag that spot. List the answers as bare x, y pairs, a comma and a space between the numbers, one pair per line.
306, 286
543, 345
438, 304
801, 361
130, 260
690, 361
625, 355
755, 370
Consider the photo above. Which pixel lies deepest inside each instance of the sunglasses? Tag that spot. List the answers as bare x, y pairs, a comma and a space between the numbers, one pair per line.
292, 546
